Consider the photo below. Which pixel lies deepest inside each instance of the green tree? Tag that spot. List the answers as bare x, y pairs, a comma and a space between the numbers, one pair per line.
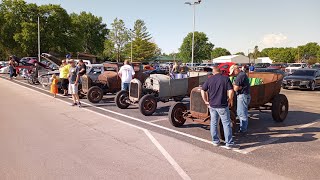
308, 51
240, 53
109, 51
255, 53
12, 15
217, 52
119, 36
202, 47
282, 54
142, 47
89, 32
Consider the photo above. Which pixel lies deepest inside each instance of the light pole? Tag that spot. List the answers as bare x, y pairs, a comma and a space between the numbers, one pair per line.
194, 24
131, 44
39, 39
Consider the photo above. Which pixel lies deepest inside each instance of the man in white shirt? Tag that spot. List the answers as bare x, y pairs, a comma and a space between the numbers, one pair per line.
126, 73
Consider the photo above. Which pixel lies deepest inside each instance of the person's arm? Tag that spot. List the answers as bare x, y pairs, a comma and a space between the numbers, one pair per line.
230, 97
204, 97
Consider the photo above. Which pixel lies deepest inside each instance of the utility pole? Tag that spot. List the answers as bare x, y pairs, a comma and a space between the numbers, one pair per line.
194, 25
39, 53
131, 45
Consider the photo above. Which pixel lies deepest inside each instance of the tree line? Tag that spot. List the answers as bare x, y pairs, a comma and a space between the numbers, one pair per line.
63, 33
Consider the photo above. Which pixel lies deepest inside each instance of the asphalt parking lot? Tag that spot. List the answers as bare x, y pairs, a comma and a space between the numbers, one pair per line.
289, 149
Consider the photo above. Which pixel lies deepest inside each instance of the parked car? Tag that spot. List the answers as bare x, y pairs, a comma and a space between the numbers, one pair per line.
271, 70
108, 81
303, 79
262, 65
280, 66
3, 64
156, 88
224, 67
265, 96
315, 66
294, 66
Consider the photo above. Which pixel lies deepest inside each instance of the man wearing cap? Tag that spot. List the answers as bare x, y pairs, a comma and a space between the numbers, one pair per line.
241, 86
219, 99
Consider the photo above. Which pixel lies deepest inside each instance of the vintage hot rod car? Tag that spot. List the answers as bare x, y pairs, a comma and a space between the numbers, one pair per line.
263, 97
157, 87
107, 82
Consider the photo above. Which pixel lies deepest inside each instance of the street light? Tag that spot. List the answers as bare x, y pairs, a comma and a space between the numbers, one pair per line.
39, 53
131, 31
194, 24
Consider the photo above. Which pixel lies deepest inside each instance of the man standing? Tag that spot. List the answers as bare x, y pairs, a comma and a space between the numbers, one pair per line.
251, 68
82, 68
242, 88
220, 97
73, 83
126, 73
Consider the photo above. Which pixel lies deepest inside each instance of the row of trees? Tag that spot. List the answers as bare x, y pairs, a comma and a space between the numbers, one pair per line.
62, 33
205, 50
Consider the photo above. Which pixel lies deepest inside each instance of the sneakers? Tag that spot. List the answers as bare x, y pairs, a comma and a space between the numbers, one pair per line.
232, 147
79, 104
216, 144
73, 104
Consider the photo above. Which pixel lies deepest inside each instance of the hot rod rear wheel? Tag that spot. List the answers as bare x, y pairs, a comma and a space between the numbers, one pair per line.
233, 126
280, 107
176, 117
148, 105
95, 94
121, 98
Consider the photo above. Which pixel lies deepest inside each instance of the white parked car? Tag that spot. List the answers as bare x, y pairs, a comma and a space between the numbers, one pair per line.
294, 66
4, 70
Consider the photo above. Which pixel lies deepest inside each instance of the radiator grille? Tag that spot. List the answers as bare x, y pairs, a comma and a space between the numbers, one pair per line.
197, 104
134, 90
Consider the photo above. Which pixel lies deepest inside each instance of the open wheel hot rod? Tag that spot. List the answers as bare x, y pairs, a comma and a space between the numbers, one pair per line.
107, 82
263, 97
157, 87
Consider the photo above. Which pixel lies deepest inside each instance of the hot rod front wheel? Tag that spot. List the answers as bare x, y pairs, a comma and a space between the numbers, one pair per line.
121, 99
176, 114
148, 105
280, 107
95, 94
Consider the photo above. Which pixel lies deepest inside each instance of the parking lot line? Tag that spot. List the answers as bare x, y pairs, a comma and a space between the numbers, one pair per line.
135, 119
158, 120
272, 140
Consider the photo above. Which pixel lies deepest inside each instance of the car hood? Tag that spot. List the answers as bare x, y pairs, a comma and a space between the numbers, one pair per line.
299, 78
293, 67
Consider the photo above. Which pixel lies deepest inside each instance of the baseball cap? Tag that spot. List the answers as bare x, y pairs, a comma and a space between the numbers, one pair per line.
232, 68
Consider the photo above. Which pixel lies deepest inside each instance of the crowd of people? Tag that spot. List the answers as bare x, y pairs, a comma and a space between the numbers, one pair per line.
70, 74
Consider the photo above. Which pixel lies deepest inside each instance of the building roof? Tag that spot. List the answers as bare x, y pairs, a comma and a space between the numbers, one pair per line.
227, 57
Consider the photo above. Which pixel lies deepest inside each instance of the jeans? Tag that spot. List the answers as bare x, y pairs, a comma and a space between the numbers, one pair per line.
224, 114
243, 101
125, 86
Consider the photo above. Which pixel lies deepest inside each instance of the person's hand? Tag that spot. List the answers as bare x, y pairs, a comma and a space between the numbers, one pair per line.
230, 102
76, 83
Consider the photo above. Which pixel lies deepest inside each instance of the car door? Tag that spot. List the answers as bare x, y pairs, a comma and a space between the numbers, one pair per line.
318, 78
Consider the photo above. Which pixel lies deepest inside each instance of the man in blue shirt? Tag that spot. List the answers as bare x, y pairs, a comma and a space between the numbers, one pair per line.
251, 68
242, 88
220, 97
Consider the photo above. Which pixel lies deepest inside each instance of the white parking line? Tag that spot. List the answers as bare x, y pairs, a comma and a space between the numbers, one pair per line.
168, 157
158, 120
272, 140
173, 163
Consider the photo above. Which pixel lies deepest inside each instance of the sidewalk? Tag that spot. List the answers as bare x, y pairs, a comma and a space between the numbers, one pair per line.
44, 138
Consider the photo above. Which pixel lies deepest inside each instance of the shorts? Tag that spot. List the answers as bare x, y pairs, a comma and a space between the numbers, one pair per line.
64, 83
73, 89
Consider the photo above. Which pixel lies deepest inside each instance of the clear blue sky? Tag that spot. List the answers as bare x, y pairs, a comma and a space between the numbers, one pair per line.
237, 25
